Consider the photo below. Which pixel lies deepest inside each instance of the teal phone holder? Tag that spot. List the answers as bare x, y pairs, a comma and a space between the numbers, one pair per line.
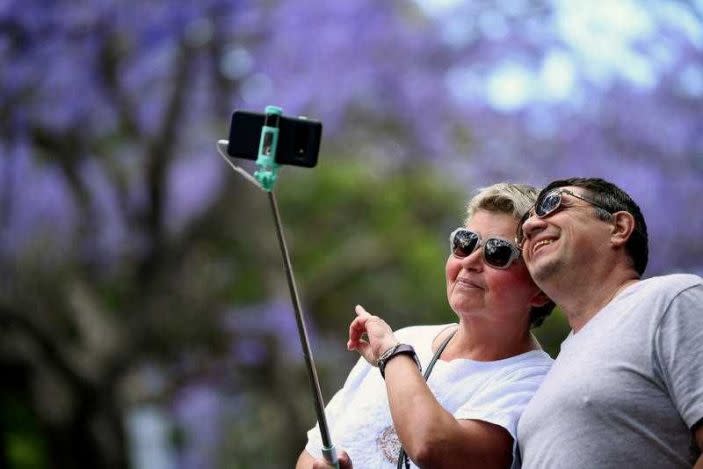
267, 174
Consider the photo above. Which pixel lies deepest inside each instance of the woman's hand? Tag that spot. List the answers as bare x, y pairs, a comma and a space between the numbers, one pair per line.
379, 335
344, 462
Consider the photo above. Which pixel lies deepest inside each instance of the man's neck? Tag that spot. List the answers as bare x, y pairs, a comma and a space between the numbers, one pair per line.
583, 294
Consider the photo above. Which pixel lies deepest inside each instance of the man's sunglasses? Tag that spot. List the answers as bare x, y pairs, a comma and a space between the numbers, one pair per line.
550, 203
497, 252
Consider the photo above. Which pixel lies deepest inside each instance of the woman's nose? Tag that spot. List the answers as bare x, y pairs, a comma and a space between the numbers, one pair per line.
473, 261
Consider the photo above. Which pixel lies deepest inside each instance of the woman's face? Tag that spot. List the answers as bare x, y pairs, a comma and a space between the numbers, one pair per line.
478, 291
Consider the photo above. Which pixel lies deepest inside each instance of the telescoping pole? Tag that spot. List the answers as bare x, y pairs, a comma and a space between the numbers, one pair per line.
266, 175
328, 449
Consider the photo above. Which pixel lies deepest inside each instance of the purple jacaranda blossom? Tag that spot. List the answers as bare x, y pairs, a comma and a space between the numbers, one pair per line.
276, 319
198, 411
194, 182
40, 202
105, 220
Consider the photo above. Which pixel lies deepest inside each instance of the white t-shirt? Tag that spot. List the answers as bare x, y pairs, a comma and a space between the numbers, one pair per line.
359, 417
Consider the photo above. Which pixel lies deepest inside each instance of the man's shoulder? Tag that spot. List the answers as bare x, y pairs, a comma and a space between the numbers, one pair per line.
672, 283
662, 291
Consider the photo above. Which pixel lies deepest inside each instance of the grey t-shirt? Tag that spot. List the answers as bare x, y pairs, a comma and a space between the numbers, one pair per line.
627, 388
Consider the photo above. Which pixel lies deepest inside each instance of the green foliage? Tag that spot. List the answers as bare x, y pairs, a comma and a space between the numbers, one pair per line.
552, 332
23, 441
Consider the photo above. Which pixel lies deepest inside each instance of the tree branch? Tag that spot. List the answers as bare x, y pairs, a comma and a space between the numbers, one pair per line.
160, 152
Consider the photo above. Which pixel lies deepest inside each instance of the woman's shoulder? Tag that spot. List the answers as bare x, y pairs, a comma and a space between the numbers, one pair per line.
424, 333
532, 364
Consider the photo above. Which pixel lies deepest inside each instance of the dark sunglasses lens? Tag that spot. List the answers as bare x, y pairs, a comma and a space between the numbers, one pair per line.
464, 242
498, 252
549, 203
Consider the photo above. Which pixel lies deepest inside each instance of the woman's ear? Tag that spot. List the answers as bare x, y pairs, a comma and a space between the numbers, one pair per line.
622, 227
539, 299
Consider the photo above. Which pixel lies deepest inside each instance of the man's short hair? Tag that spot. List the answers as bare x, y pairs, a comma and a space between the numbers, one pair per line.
614, 199
514, 200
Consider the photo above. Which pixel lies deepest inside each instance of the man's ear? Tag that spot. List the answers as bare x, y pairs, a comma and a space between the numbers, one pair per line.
622, 227
539, 299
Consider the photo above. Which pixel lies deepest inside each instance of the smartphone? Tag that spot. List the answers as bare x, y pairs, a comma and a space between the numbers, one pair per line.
298, 138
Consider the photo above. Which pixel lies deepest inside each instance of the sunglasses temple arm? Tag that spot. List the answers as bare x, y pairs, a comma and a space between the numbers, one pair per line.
328, 448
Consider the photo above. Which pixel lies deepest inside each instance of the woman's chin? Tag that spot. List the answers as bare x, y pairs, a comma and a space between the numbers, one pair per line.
463, 306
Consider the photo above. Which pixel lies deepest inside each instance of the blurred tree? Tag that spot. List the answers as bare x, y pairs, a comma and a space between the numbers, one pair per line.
134, 270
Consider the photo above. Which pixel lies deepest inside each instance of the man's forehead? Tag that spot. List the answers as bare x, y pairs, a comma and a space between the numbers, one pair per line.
575, 189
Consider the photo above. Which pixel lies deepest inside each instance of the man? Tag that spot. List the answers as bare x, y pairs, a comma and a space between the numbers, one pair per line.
627, 387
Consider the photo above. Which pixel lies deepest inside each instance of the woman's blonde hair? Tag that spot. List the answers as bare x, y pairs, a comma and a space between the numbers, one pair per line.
504, 197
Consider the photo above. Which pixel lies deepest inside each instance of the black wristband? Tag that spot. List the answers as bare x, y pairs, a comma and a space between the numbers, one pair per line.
400, 349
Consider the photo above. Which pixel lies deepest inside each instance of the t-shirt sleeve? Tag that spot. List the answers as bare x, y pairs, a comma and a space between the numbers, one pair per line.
679, 348
502, 401
337, 404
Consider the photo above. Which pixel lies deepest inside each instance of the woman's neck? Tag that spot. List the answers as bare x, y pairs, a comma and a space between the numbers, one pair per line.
487, 342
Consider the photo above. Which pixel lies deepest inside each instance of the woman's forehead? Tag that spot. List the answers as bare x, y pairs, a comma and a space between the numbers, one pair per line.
489, 224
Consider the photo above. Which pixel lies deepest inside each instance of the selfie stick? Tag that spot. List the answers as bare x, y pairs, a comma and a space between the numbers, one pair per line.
266, 177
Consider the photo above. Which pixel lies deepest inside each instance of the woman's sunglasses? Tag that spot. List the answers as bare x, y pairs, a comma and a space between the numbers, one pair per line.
550, 203
497, 252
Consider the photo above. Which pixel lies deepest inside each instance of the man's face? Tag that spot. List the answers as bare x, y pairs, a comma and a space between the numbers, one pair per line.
567, 240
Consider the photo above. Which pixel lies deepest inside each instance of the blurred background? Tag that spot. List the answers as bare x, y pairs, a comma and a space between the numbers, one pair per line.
144, 316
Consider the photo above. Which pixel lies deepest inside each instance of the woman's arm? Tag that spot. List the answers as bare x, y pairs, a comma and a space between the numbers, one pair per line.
698, 435
431, 436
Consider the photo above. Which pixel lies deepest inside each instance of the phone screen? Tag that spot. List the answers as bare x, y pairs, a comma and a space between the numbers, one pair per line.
298, 138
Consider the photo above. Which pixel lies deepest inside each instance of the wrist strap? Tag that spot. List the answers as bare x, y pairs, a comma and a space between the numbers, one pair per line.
393, 352
402, 457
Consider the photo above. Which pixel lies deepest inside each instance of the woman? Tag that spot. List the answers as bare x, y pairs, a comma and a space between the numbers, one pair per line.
466, 414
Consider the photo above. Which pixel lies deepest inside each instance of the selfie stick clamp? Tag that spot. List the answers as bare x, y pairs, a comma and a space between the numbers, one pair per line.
266, 160
266, 175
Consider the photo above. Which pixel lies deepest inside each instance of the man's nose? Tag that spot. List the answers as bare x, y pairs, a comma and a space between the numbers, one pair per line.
531, 226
